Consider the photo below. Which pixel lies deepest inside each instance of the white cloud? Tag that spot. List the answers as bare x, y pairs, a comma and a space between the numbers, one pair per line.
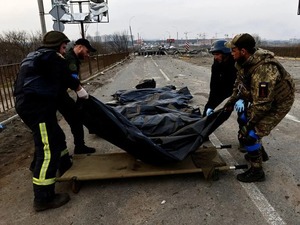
270, 19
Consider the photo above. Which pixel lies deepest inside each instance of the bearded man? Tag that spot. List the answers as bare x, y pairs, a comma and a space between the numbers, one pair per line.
267, 92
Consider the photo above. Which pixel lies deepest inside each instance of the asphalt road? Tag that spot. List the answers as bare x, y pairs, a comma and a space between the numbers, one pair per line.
176, 199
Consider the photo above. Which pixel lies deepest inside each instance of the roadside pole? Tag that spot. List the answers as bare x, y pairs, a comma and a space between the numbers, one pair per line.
42, 16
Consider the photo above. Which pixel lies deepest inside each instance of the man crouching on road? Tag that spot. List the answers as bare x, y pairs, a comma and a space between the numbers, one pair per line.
268, 91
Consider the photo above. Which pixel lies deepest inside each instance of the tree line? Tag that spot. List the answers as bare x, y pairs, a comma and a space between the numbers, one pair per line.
16, 45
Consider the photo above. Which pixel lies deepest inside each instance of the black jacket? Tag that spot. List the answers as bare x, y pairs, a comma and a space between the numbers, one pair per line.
223, 76
44, 73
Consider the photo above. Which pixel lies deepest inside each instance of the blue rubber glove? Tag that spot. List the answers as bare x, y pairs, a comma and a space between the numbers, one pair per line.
2, 127
75, 75
209, 111
239, 105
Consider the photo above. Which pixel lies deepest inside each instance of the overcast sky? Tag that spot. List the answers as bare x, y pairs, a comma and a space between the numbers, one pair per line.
158, 19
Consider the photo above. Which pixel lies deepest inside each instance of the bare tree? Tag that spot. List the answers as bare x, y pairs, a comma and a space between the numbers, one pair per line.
257, 39
118, 42
97, 43
16, 45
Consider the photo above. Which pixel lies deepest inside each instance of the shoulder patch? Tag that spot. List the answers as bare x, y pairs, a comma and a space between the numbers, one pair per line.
72, 67
263, 89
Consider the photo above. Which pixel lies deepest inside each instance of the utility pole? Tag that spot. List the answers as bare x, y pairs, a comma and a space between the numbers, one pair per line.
131, 36
131, 32
42, 16
185, 33
176, 42
81, 22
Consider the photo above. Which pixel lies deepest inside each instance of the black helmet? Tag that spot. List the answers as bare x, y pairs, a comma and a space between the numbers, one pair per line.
219, 46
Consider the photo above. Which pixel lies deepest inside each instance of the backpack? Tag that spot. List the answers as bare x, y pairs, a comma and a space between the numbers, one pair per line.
27, 73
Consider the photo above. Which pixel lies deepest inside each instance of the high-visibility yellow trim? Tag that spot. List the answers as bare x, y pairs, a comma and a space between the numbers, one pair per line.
41, 180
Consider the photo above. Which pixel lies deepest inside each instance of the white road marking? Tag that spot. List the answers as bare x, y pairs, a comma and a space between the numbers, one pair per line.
266, 209
293, 118
154, 62
157, 77
162, 72
165, 76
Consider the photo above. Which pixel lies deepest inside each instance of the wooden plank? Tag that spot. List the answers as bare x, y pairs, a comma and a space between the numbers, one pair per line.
121, 165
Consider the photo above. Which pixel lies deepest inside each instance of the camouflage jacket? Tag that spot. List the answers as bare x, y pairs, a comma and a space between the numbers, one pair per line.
267, 86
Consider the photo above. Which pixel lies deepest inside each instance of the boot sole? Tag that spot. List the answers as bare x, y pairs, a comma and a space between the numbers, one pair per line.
251, 181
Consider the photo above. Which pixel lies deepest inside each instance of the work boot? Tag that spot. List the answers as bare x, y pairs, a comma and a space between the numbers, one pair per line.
252, 175
83, 149
255, 173
264, 155
58, 201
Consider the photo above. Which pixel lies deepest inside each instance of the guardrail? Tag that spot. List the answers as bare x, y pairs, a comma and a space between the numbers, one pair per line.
8, 74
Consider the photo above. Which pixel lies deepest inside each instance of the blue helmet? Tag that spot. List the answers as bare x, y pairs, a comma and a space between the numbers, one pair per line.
219, 46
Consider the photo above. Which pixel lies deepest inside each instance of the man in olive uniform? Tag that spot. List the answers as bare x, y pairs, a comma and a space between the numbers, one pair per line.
269, 91
67, 106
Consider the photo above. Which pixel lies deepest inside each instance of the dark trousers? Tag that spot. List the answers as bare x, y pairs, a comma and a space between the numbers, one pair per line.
39, 114
68, 108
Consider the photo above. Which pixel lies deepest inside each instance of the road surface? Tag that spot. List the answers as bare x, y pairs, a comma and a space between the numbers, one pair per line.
176, 199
